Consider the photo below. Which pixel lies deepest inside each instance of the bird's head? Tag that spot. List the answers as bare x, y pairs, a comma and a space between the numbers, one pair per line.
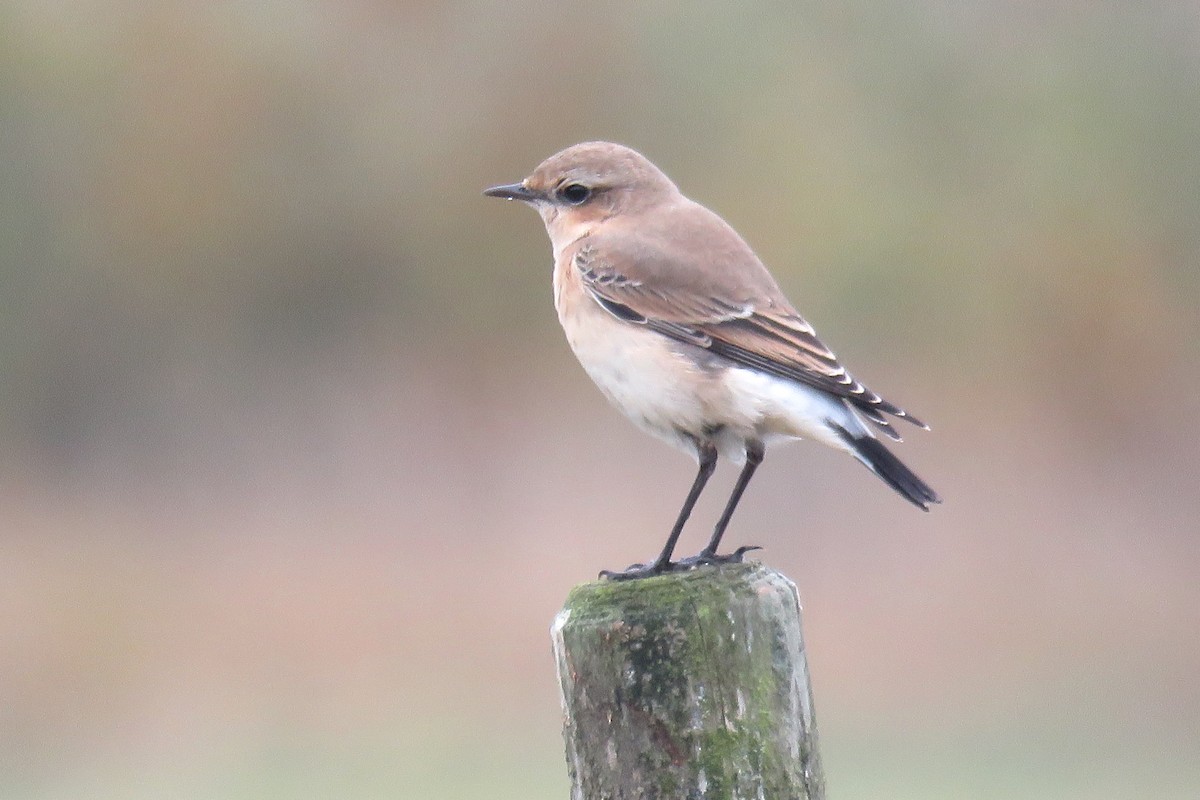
585, 184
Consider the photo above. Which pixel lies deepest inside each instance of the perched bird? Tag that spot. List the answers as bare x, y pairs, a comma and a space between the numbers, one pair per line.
685, 331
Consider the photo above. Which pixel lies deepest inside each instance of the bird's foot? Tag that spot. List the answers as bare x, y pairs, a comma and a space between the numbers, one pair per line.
635, 571
705, 558
701, 559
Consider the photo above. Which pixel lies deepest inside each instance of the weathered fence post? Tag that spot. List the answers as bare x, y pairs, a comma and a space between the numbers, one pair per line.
687, 685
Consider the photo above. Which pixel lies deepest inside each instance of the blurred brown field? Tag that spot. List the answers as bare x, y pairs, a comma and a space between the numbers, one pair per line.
295, 467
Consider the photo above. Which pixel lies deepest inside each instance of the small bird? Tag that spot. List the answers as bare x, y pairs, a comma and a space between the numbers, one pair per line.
685, 331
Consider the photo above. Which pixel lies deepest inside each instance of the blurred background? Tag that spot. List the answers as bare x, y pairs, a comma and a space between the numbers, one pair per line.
296, 467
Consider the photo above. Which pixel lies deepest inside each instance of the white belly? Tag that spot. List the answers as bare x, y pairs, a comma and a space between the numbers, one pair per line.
659, 389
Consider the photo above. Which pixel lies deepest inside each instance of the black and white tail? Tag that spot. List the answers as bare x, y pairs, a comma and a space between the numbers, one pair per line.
871, 452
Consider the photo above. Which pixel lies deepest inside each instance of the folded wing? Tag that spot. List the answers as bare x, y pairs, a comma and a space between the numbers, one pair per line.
738, 314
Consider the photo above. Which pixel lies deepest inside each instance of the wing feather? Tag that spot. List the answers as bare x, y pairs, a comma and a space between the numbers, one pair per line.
748, 322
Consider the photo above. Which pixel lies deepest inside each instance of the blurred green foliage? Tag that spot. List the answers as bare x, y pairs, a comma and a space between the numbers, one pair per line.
198, 189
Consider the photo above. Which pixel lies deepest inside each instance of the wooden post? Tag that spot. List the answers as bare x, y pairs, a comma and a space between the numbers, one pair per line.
687, 685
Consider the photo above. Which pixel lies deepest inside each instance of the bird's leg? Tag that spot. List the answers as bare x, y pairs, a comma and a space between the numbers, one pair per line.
706, 452
754, 457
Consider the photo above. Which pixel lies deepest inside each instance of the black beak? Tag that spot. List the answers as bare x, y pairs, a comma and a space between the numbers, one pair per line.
512, 191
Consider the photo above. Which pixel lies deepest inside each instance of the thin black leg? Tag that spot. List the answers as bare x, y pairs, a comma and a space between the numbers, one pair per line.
708, 462
754, 457
707, 453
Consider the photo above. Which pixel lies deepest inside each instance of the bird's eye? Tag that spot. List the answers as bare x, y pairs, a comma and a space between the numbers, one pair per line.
575, 193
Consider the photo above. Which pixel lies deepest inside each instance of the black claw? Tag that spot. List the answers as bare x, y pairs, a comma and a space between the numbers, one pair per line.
741, 551
635, 571
703, 559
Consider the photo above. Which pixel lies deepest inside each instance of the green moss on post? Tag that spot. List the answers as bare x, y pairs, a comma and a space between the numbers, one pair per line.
689, 685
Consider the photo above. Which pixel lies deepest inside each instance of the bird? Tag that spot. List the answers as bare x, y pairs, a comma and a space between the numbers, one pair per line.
685, 331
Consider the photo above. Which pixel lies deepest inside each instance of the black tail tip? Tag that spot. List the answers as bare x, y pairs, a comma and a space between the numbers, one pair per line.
871, 452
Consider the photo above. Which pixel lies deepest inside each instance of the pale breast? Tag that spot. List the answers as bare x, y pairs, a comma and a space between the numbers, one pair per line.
643, 374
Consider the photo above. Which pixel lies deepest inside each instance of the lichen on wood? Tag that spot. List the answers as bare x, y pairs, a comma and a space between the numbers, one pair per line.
687, 685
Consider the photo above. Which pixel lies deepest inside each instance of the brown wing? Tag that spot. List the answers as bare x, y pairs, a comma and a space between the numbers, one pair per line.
738, 313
